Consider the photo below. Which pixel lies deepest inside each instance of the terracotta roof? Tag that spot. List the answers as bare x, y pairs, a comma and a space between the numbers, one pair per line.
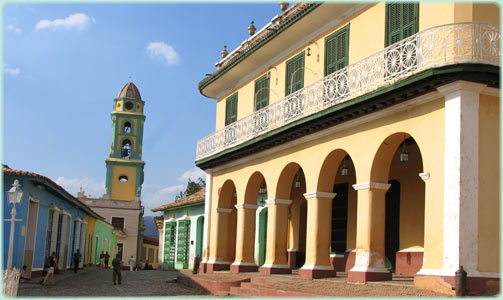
11, 172
194, 198
150, 240
129, 90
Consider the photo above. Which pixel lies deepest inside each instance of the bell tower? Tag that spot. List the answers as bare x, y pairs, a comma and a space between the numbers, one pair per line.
124, 165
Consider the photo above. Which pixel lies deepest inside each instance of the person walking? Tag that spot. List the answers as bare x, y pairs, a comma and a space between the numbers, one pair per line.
107, 257
76, 260
102, 259
131, 263
53, 263
117, 266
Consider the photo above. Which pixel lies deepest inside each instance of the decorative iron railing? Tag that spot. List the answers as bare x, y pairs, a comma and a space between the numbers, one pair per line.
434, 47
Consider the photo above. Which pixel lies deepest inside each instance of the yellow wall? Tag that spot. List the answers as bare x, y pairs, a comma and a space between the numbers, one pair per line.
89, 232
489, 205
123, 190
364, 40
361, 142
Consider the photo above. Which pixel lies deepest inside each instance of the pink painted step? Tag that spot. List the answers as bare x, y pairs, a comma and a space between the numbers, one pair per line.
249, 285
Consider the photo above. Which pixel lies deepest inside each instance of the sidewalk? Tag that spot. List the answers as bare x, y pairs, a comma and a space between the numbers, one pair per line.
57, 277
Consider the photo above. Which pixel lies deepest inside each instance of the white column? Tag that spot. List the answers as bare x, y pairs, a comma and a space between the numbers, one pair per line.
207, 216
83, 242
461, 175
65, 227
77, 234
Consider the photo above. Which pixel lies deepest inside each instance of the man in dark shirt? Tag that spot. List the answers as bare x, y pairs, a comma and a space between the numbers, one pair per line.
117, 265
107, 257
76, 260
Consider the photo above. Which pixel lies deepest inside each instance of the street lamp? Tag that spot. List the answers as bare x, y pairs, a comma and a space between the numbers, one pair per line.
11, 277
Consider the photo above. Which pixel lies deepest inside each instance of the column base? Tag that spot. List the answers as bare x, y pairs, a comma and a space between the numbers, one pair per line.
350, 258
217, 266
475, 285
275, 269
203, 267
408, 262
292, 258
317, 272
243, 267
370, 274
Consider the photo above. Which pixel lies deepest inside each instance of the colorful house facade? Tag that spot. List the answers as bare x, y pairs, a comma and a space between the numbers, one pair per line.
361, 137
181, 236
52, 220
149, 252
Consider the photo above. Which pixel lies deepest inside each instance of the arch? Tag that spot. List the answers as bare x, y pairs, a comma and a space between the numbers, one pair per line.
127, 126
253, 186
405, 201
330, 169
227, 222
126, 148
286, 179
226, 195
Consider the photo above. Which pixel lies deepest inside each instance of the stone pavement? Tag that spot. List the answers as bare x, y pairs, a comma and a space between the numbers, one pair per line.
97, 282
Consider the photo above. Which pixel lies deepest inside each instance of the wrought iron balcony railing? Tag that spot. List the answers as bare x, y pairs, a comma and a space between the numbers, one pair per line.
434, 47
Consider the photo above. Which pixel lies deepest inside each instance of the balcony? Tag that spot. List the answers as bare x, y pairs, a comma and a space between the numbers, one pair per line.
460, 43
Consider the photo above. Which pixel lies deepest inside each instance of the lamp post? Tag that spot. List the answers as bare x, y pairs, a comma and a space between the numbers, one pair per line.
11, 277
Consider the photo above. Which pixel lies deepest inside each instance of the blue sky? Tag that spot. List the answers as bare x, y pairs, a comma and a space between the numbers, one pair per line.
63, 64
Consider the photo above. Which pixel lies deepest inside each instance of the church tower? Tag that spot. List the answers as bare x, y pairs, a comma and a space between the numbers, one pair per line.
124, 165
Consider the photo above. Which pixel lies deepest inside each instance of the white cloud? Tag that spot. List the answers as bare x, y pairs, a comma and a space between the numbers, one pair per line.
193, 174
13, 28
152, 197
11, 71
89, 185
163, 52
78, 21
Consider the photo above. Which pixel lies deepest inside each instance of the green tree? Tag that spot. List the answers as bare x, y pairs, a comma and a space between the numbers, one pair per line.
192, 187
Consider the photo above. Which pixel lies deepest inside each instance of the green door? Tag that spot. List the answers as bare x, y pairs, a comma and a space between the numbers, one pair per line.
183, 243
262, 236
199, 236
169, 245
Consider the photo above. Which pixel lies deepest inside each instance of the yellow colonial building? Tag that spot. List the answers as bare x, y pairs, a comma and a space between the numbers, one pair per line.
358, 137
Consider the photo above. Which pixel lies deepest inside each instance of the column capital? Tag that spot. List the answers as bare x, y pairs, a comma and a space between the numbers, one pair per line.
223, 210
319, 195
424, 176
278, 201
371, 185
245, 205
461, 85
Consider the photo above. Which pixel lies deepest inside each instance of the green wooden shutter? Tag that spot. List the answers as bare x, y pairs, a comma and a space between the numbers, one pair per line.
183, 243
336, 50
402, 21
294, 74
169, 244
261, 92
231, 109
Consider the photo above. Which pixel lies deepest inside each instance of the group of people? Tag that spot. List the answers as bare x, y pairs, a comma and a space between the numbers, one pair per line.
51, 265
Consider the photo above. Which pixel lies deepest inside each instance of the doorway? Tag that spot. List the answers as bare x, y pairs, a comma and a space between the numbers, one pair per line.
392, 231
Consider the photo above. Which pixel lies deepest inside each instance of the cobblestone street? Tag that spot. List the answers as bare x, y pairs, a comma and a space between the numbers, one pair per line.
96, 282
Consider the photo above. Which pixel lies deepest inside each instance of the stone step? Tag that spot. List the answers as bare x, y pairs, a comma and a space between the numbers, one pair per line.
264, 280
249, 285
249, 292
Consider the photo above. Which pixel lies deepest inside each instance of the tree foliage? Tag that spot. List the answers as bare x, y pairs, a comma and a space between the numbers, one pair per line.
192, 187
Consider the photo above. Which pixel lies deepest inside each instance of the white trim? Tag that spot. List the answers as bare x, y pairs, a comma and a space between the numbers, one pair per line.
275, 266
291, 250
36, 269
424, 176
336, 255
223, 210
170, 220
407, 105
350, 250
185, 217
244, 205
33, 200
78, 219
434, 272
54, 207
489, 91
207, 217
411, 250
243, 264
304, 267
367, 269
64, 212
37, 204
371, 185
319, 195
278, 201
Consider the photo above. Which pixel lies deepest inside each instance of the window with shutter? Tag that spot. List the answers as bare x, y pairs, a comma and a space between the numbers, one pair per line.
231, 109
336, 50
402, 21
294, 74
262, 92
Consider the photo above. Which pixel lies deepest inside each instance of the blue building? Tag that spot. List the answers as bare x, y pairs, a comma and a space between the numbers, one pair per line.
52, 220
